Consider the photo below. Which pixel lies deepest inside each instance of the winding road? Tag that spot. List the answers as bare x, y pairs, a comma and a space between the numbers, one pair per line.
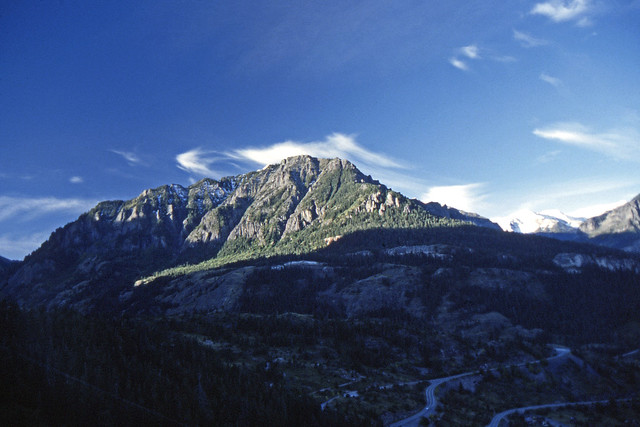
495, 422
432, 402
430, 407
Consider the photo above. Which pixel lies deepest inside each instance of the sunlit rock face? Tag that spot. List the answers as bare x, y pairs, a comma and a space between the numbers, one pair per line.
299, 205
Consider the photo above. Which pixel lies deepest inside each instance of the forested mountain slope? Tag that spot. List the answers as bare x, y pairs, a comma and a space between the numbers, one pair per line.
297, 206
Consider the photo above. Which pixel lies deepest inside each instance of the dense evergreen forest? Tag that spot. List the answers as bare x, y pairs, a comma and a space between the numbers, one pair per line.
62, 368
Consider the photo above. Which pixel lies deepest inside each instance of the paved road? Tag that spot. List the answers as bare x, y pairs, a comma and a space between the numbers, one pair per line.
430, 407
631, 353
432, 402
495, 422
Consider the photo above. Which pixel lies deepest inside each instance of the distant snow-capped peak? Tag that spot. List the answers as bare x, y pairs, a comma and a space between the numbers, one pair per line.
573, 221
549, 221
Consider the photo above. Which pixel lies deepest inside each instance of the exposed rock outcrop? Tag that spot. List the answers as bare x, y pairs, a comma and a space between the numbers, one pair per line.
574, 262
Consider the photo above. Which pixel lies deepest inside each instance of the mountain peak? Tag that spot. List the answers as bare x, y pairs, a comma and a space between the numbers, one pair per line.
299, 205
623, 219
527, 221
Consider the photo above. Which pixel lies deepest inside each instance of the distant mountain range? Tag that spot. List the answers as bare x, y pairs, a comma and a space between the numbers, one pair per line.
618, 228
526, 221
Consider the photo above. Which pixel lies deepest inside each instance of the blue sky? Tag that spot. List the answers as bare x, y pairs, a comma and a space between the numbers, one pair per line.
488, 106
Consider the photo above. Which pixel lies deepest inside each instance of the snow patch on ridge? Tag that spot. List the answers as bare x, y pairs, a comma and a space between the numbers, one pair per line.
549, 221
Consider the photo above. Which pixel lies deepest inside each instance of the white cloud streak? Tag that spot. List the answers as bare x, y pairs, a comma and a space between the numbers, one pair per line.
553, 81
335, 145
461, 65
29, 208
130, 157
561, 10
621, 144
470, 51
380, 166
527, 40
467, 197
76, 180
197, 162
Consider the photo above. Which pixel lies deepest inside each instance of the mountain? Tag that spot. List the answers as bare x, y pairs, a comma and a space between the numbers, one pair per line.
174, 249
307, 293
298, 206
526, 221
623, 219
205, 247
182, 241
7, 266
437, 209
618, 228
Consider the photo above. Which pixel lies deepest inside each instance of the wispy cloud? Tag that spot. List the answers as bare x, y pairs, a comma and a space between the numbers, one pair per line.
76, 180
527, 40
381, 166
130, 157
461, 65
29, 208
553, 81
335, 145
623, 144
470, 51
467, 197
197, 162
561, 10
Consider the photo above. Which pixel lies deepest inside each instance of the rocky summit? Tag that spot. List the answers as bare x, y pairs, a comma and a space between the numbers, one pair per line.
298, 206
618, 228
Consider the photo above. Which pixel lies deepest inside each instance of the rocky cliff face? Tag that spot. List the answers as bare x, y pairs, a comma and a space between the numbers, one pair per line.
297, 206
575, 262
623, 219
280, 199
618, 228
160, 217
